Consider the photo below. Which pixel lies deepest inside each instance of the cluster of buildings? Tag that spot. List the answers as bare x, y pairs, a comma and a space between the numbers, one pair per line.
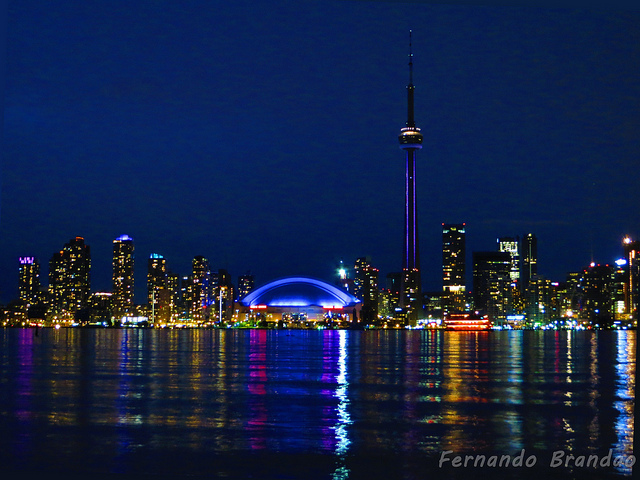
507, 288
203, 297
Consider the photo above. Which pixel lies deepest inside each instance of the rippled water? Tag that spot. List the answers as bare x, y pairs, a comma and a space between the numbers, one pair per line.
311, 404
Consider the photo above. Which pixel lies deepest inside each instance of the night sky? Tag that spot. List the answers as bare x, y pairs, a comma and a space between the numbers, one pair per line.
263, 135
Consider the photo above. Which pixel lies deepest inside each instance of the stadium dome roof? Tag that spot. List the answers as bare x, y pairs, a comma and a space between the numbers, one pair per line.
300, 292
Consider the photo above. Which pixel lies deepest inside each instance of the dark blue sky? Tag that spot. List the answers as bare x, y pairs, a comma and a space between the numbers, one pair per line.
263, 135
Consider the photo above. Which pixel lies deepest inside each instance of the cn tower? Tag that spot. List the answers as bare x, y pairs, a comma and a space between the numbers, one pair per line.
410, 140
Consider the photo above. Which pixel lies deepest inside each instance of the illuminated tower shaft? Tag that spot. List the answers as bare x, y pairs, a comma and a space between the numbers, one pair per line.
411, 141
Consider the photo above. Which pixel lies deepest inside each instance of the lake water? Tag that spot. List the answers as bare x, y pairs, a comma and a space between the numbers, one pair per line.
115, 403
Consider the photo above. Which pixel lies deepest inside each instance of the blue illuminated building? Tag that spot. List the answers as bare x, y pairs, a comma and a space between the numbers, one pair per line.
300, 299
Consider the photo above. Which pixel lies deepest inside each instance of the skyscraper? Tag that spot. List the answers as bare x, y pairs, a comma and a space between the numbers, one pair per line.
632, 256
69, 277
100, 308
598, 282
619, 290
410, 140
157, 288
201, 298
175, 302
511, 245
122, 294
222, 289
529, 276
491, 284
245, 284
453, 266
186, 296
366, 289
394, 284
29, 280
529, 253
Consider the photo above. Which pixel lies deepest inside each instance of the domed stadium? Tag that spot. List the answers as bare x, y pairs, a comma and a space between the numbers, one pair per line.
300, 299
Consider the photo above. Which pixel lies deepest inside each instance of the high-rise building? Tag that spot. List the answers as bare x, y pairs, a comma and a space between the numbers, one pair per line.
223, 295
157, 289
100, 308
410, 140
57, 274
385, 309
511, 245
538, 304
632, 256
574, 301
173, 286
492, 284
433, 304
201, 297
529, 254
394, 285
598, 283
453, 266
186, 296
69, 277
29, 280
245, 285
528, 274
122, 294
618, 291
366, 289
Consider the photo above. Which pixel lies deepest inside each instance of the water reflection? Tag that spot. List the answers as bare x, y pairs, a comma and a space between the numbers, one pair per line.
125, 401
257, 387
624, 395
344, 419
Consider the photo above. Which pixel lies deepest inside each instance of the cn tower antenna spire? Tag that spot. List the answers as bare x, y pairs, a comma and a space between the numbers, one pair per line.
410, 60
410, 88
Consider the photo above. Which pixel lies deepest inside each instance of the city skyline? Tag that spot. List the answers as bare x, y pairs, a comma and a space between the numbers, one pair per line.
139, 293
275, 152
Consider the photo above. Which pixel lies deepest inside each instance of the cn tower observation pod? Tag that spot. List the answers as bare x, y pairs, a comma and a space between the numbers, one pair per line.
299, 299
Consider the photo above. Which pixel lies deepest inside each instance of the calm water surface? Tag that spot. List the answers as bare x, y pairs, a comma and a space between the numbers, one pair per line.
310, 404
